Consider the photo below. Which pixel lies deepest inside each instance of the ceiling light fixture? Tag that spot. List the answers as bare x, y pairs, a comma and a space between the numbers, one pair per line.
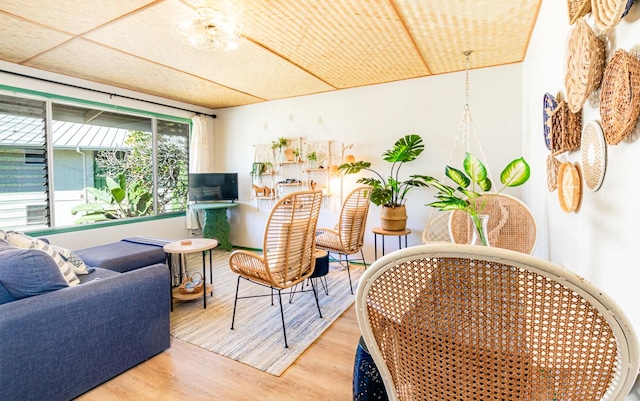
209, 29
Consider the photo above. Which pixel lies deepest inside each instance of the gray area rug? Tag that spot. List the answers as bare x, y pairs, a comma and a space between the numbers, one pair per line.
257, 339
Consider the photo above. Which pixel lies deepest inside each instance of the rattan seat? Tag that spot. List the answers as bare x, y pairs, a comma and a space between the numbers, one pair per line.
289, 249
511, 224
348, 236
464, 322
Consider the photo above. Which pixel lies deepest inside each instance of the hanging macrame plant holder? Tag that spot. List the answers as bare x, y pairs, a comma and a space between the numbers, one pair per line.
437, 227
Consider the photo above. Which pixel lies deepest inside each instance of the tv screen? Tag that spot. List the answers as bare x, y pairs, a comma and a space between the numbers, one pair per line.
213, 187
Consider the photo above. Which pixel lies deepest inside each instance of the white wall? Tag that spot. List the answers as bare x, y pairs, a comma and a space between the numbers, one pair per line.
372, 119
600, 240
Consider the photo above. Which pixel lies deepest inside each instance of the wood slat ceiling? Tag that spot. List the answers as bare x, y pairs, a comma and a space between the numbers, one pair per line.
293, 47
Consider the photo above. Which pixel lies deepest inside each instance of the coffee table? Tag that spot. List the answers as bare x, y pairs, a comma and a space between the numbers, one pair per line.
182, 248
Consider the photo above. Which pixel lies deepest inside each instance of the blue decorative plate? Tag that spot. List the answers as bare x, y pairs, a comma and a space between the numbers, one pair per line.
627, 8
549, 105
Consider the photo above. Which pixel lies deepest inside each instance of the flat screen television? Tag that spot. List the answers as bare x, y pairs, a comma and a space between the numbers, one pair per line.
204, 187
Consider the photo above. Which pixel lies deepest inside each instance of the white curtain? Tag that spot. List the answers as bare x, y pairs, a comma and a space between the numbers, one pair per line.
201, 146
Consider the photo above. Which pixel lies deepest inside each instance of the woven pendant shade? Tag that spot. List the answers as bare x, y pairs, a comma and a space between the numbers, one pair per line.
620, 96
594, 155
607, 13
584, 65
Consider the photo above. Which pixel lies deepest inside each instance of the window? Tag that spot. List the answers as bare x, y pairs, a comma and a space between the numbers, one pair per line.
104, 164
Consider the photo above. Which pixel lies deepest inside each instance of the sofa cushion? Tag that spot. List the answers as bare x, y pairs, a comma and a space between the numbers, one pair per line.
68, 255
97, 273
28, 272
21, 240
122, 256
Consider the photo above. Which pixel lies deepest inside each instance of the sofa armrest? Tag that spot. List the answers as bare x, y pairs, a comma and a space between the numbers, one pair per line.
59, 345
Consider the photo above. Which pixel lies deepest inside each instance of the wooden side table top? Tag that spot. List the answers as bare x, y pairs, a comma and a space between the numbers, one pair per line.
197, 245
382, 231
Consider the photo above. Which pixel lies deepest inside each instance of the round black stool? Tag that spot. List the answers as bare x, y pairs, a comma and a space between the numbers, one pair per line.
322, 269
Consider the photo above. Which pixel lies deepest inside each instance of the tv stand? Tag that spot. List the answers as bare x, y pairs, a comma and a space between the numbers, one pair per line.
216, 224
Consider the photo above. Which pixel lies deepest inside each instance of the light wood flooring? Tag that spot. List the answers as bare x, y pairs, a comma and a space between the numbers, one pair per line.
187, 372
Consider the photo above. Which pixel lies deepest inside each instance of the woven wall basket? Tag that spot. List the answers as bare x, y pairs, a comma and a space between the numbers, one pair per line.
593, 152
584, 65
620, 96
577, 9
566, 128
552, 173
549, 104
569, 187
608, 13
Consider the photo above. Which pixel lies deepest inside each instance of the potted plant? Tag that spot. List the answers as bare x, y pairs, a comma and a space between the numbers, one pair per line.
279, 144
313, 159
473, 184
390, 193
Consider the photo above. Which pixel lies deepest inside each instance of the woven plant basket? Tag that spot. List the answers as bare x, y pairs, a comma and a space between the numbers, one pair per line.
552, 173
566, 128
584, 65
608, 13
577, 9
620, 96
192, 285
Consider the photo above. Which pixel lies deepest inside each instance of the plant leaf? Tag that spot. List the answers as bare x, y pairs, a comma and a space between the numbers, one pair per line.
353, 168
405, 149
452, 204
457, 176
516, 173
485, 184
474, 168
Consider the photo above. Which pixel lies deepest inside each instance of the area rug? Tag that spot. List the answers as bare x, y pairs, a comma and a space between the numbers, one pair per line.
257, 338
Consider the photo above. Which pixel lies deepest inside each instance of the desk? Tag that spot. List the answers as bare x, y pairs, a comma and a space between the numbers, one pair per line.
216, 224
385, 233
197, 245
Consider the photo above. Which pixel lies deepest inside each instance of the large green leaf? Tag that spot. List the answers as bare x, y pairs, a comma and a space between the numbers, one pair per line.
88, 208
516, 173
405, 149
380, 196
354, 168
474, 168
452, 204
370, 181
117, 191
99, 194
457, 176
485, 184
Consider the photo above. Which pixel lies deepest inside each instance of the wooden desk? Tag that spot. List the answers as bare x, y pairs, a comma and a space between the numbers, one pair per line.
385, 233
197, 245
216, 224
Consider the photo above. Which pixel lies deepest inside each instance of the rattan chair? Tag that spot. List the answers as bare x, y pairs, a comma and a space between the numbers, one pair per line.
511, 224
464, 322
348, 236
289, 249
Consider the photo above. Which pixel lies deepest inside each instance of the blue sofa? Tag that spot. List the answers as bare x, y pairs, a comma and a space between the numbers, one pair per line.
62, 343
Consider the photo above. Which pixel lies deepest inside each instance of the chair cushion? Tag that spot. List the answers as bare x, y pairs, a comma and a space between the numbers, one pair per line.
27, 272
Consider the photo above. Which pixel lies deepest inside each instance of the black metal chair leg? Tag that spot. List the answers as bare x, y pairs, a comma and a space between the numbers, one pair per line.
349, 273
284, 329
315, 294
364, 262
235, 302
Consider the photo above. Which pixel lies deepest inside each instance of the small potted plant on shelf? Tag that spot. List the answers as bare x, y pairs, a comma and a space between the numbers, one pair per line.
279, 144
313, 160
390, 193
471, 184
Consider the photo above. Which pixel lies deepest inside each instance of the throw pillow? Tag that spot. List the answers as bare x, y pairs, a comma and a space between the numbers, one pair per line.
28, 272
21, 240
79, 267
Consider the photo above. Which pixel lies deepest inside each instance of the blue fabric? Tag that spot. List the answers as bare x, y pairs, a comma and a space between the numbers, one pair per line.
147, 241
57, 346
28, 272
122, 256
367, 382
97, 273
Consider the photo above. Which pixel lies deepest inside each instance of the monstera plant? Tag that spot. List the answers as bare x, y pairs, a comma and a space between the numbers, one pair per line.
390, 192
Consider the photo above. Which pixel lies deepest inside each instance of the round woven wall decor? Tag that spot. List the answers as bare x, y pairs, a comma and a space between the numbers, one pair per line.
620, 96
584, 65
549, 104
569, 187
608, 13
593, 150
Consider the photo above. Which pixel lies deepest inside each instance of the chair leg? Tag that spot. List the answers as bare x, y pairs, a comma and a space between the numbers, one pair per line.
315, 294
235, 302
284, 329
349, 273
325, 285
364, 262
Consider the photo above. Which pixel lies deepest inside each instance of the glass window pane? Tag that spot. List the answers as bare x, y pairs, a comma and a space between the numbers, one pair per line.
23, 164
173, 165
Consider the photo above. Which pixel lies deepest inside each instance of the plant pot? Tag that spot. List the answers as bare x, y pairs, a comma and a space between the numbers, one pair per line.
393, 218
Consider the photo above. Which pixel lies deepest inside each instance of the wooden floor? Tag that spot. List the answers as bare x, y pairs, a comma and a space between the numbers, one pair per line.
186, 372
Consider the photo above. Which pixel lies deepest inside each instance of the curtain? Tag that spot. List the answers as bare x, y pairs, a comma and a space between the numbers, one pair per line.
201, 145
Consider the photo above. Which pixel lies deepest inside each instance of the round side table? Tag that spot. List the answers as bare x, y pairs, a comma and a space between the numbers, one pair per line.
386, 233
182, 248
